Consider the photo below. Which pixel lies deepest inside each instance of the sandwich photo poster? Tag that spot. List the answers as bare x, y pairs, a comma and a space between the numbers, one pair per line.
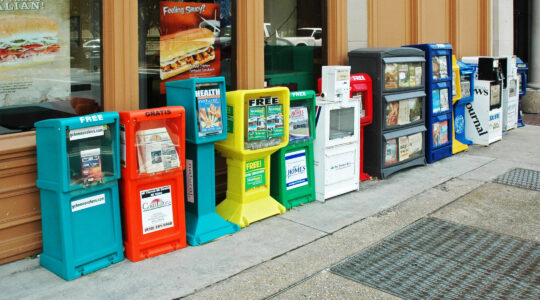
188, 48
34, 51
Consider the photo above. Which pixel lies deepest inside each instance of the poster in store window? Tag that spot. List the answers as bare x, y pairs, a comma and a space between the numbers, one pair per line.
189, 40
34, 51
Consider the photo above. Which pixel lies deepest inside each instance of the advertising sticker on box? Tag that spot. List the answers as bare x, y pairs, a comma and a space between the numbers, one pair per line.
156, 208
255, 175
296, 169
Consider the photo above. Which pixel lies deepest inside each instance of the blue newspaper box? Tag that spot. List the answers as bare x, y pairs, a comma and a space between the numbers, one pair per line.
78, 171
522, 74
206, 122
438, 100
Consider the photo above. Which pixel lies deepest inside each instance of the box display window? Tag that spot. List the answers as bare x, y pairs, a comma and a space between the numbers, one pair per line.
402, 75
513, 88
341, 123
440, 133
466, 86
403, 149
180, 40
440, 67
299, 124
360, 96
157, 144
55, 71
293, 39
440, 100
90, 154
403, 112
495, 96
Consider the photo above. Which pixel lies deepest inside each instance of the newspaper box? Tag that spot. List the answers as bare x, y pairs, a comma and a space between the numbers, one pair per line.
258, 125
522, 69
293, 181
483, 118
78, 170
458, 107
152, 187
361, 88
206, 122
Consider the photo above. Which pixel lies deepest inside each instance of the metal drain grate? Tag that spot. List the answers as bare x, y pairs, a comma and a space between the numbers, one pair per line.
523, 178
437, 259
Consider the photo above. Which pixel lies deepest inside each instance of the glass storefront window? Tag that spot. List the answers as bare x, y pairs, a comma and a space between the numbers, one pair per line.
50, 62
180, 40
293, 38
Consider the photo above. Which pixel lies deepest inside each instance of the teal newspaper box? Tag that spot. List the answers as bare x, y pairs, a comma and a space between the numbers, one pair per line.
78, 171
206, 122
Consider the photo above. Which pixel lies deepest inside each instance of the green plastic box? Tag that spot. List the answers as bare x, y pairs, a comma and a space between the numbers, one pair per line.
295, 183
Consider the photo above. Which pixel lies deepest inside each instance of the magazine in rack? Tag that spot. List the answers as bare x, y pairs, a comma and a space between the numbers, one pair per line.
156, 151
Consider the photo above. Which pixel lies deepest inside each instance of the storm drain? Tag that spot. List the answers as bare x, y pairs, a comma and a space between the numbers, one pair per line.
437, 259
523, 178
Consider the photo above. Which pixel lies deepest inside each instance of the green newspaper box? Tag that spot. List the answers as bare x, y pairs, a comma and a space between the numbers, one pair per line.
294, 184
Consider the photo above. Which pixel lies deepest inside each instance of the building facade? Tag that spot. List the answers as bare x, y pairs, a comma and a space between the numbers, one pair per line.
110, 59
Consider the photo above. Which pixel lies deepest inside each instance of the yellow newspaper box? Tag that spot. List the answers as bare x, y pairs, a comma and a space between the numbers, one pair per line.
257, 125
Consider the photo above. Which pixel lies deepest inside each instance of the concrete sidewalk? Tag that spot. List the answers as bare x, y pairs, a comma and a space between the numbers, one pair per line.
288, 256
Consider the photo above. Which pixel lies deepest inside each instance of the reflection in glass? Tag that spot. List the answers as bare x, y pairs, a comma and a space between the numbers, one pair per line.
341, 123
292, 43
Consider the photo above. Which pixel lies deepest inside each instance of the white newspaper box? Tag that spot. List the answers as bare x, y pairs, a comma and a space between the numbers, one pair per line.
337, 148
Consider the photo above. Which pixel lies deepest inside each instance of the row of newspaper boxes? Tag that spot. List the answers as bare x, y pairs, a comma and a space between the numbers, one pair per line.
156, 167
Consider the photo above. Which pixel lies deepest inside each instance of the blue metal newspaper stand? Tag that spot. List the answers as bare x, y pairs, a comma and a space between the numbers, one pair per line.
522, 73
78, 171
205, 104
438, 100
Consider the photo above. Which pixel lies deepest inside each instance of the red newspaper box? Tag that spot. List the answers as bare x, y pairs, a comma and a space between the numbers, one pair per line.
152, 185
361, 87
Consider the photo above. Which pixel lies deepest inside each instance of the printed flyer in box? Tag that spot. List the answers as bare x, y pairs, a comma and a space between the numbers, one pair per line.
189, 40
436, 133
91, 166
390, 152
256, 123
436, 100
34, 51
274, 120
390, 76
156, 151
403, 75
404, 112
418, 75
443, 137
415, 143
156, 209
412, 75
445, 102
209, 108
298, 123
415, 106
403, 148
392, 113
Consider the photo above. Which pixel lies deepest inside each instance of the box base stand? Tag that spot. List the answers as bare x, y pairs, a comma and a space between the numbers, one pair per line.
205, 228
244, 214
